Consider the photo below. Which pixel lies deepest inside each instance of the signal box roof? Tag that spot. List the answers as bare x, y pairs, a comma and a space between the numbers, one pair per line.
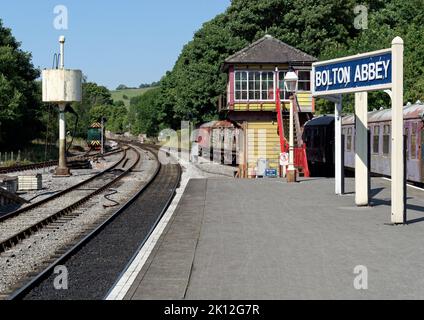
269, 50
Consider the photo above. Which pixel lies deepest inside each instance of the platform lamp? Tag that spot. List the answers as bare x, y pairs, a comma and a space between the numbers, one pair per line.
291, 81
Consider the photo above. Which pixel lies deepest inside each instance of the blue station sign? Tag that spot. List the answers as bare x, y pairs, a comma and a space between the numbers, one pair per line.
364, 72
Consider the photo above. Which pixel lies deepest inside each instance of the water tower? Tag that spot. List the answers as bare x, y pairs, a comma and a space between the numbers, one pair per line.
62, 86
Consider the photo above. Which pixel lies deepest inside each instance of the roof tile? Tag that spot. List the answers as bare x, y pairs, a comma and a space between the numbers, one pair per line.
269, 50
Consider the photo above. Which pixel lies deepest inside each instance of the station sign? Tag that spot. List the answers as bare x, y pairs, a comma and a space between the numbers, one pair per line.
359, 73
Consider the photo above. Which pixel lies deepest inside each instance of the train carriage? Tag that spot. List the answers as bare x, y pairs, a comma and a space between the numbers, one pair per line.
320, 149
379, 124
219, 140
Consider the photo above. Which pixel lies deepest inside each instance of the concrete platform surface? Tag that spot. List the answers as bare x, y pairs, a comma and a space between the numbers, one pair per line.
266, 239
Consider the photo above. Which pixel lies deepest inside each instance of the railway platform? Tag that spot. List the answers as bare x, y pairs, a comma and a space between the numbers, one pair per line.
266, 239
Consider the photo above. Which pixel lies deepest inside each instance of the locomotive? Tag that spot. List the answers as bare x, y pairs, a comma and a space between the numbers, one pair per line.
319, 138
94, 136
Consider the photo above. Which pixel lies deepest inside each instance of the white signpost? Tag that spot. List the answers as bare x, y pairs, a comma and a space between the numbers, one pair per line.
378, 70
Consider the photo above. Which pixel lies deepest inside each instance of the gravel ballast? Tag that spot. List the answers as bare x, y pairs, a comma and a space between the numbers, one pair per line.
30, 255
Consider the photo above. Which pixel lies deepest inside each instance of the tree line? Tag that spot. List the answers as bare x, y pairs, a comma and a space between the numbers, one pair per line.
324, 29
141, 86
190, 91
23, 116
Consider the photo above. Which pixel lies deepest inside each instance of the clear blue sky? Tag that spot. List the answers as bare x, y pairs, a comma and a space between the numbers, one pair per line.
112, 41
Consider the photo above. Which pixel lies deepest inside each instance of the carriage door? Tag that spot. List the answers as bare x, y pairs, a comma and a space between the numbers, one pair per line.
421, 152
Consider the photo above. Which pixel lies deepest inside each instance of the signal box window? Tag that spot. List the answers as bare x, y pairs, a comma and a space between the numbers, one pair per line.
283, 94
267, 85
254, 86
241, 85
304, 80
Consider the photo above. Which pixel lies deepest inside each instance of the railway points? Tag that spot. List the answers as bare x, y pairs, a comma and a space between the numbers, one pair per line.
52, 185
114, 240
46, 243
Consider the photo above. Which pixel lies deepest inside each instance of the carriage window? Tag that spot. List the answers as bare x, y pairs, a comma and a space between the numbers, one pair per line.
407, 142
349, 139
414, 141
376, 140
386, 140
421, 147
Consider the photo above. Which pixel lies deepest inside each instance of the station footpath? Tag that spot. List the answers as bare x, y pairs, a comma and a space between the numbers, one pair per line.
266, 239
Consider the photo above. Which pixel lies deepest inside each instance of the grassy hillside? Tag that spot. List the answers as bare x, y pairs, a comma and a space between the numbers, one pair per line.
130, 93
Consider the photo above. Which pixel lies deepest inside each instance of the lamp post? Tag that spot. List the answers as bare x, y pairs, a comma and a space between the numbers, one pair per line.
290, 82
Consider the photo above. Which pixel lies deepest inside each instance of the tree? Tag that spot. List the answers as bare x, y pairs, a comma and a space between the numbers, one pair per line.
119, 103
324, 29
97, 112
118, 119
191, 89
93, 95
145, 114
398, 18
121, 87
19, 93
149, 85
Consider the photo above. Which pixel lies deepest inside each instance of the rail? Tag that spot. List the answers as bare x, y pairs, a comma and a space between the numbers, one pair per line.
61, 193
46, 164
37, 280
25, 232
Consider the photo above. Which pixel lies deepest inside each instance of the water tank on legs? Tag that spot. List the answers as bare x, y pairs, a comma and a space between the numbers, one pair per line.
62, 85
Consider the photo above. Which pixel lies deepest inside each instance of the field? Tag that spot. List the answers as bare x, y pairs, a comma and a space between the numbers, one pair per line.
130, 93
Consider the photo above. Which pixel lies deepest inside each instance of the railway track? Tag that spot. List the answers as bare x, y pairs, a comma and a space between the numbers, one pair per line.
47, 164
21, 224
95, 263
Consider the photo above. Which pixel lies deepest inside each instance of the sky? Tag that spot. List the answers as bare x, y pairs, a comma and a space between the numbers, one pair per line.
112, 41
